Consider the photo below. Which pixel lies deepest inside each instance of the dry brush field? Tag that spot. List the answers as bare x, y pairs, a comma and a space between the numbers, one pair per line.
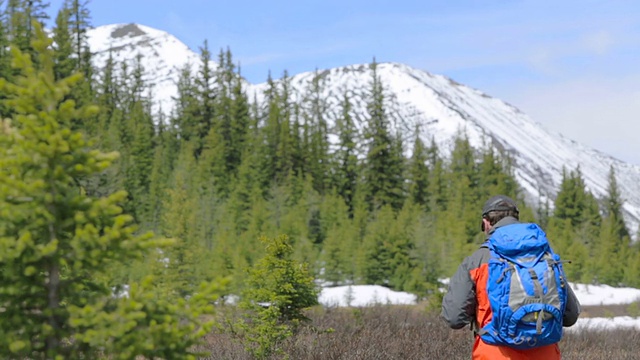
408, 333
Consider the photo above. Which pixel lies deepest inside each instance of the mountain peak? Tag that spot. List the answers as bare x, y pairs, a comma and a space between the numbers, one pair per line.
128, 30
161, 55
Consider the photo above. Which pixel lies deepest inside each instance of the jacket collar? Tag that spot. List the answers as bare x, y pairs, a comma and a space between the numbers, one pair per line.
509, 220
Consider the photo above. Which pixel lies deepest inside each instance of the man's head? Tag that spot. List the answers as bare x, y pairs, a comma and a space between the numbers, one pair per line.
497, 208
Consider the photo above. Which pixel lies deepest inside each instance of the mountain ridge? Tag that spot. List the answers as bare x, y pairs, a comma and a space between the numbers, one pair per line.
440, 106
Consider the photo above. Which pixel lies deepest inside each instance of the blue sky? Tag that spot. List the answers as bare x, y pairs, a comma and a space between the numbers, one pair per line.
571, 65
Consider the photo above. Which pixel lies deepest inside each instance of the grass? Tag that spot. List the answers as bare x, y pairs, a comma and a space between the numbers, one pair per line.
407, 333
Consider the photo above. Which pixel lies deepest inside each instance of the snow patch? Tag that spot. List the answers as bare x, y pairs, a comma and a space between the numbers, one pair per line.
602, 324
363, 295
589, 295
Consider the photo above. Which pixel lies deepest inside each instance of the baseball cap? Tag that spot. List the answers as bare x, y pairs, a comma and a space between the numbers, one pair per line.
499, 203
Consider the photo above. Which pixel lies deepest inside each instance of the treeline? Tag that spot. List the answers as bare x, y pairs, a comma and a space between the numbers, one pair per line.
223, 168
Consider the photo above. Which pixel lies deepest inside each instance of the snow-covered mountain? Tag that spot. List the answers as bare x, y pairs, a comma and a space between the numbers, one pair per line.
439, 105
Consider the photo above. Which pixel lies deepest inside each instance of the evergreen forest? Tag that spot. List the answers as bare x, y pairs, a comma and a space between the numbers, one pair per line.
200, 187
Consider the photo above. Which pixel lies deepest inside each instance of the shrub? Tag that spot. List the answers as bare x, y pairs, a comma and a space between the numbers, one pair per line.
278, 291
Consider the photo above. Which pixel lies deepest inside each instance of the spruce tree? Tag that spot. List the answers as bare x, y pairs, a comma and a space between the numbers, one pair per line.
464, 199
240, 120
141, 162
22, 14
166, 149
206, 95
5, 59
284, 141
345, 157
286, 287
65, 63
72, 53
382, 176
613, 242
316, 118
373, 260
79, 24
178, 223
59, 244
437, 179
418, 174
613, 205
185, 117
277, 148
339, 247
107, 98
495, 175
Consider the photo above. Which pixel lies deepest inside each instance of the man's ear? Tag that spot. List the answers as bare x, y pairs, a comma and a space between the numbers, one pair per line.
486, 225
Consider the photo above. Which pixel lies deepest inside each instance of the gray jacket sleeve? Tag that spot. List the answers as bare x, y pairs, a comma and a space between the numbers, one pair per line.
459, 303
572, 310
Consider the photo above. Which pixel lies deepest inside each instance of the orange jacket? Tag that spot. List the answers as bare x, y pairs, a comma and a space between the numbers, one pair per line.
467, 303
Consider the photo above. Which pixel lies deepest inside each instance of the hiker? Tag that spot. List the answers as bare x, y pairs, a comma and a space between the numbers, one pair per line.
524, 283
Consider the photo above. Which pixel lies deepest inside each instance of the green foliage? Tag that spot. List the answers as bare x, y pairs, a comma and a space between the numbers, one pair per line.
146, 323
384, 167
418, 176
318, 149
22, 16
345, 157
65, 64
5, 59
613, 205
278, 290
59, 243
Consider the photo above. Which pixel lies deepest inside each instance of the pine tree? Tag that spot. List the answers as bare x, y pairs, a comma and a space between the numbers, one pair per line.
240, 121
575, 225
244, 189
277, 147
319, 145
382, 178
79, 24
419, 174
570, 201
464, 201
437, 179
107, 98
373, 259
613, 205
65, 63
612, 254
401, 245
286, 286
495, 175
427, 256
284, 143
5, 59
339, 247
22, 15
141, 162
166, 150
613, 243
59, 243
463, 163
346, 159
205, 93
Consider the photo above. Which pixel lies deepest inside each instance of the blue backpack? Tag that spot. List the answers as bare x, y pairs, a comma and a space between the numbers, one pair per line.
527, 289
